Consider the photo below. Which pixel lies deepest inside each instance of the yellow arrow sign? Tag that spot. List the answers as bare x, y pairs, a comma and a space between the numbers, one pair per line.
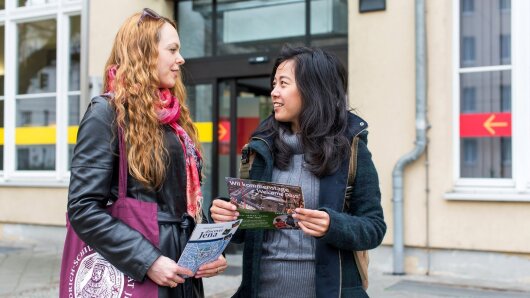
489, 124
223, 132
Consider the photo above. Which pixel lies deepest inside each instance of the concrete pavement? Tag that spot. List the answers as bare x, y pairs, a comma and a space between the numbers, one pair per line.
30, 264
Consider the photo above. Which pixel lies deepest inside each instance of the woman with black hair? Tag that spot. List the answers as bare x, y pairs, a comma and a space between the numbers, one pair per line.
307, 142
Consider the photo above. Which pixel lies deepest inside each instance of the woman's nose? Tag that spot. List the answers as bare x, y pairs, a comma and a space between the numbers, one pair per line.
274, 92
180, 60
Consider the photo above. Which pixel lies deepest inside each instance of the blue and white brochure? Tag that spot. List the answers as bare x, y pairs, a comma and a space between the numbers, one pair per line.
206, 244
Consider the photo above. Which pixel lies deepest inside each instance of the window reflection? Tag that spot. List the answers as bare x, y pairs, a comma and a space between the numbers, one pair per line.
264, 22
36, 158
197, 17
200, 103
2, 93
258, 26
34, 2
481, 47
485, 95
74, 49
74, 78
35, 134
1, 134
329, 22
2, 61
37, 50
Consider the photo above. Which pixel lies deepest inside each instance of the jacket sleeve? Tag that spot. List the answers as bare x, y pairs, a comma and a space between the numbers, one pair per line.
91, 181
363, 226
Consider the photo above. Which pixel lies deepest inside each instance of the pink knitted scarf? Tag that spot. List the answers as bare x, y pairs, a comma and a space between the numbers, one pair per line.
169, 113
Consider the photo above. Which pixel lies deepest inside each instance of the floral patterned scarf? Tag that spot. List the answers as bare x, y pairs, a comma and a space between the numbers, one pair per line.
169, 113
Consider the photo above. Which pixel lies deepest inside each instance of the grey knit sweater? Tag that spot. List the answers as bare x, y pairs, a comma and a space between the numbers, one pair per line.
288, 260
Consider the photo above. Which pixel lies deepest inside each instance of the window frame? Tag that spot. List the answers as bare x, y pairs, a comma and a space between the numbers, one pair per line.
10, 18
516, 188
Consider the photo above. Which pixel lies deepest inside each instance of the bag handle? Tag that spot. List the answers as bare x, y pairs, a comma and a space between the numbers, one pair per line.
122, 178
361, 257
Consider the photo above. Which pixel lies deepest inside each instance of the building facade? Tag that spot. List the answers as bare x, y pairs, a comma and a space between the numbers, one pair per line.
466, 198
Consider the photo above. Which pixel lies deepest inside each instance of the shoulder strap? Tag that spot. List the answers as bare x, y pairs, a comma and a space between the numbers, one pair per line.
361, 257
123, 167
247, 158
351, 172
353, 161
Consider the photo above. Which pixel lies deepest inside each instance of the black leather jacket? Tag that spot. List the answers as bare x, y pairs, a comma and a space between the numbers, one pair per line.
94, 182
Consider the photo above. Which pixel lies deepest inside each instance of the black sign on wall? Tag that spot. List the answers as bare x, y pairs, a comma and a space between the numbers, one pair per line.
371, 5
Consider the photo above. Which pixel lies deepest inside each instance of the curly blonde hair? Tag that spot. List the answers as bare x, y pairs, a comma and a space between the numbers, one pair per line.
136, 98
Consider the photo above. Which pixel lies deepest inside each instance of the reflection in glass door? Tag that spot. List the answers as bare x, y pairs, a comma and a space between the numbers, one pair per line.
237, 109
243, 104
200, 104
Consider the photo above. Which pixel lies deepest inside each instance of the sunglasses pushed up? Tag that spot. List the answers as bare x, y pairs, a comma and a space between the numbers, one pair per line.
147, 12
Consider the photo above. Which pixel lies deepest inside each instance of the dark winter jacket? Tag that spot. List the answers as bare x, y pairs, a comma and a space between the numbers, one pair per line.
362, 227
94, 183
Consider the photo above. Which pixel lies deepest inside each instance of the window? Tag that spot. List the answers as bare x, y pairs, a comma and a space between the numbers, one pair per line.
505, 48
470, 152
213, 28
505, 5
468, 50
2, 97
36, 95
491, 138
484, 73
42, 90
22, 3
468, 6
469, 99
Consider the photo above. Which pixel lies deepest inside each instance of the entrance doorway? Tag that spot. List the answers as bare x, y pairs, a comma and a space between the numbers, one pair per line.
226, 112
243, 103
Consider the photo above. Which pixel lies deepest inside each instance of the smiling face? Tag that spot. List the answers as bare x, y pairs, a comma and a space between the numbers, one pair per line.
169, 58
286, 99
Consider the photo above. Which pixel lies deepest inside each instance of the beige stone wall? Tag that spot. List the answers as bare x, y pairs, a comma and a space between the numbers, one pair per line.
382, 88
105, 19
33, 205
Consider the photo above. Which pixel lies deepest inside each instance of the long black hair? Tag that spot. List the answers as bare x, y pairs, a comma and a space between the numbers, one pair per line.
322, 82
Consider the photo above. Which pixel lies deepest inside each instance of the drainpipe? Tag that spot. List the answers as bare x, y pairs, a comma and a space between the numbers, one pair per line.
421, 138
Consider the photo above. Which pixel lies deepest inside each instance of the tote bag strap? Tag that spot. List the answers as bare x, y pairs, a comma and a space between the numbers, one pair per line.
122, 178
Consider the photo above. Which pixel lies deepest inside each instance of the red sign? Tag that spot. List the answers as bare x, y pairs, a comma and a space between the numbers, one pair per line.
245, 128
486, 125
224, 131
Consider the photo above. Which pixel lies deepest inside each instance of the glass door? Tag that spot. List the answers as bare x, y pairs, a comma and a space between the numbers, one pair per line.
225, 120
243, 104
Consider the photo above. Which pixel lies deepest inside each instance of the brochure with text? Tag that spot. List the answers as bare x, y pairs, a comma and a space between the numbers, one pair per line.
265, 205
206, 243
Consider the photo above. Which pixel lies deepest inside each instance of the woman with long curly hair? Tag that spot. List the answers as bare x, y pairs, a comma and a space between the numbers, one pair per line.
307, 142
145, 106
